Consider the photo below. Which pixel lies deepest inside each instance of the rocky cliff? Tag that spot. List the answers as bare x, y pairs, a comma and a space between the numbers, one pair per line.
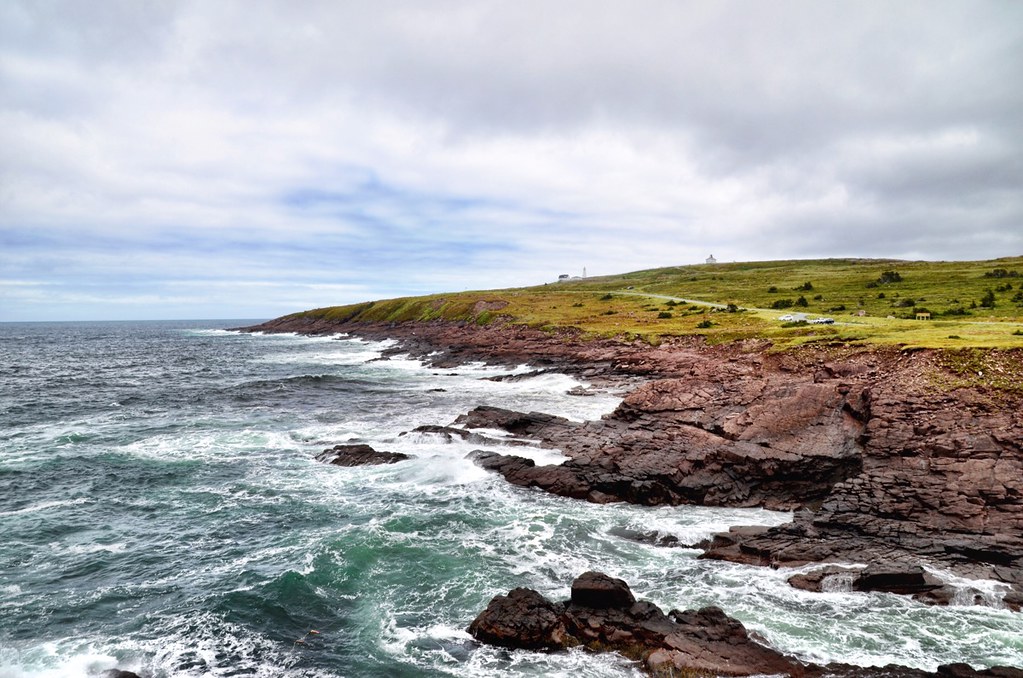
887, 456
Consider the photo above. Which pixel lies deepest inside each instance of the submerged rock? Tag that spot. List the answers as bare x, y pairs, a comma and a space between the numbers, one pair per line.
358, 455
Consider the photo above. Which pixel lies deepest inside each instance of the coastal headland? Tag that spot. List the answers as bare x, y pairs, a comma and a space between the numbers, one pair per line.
903, 464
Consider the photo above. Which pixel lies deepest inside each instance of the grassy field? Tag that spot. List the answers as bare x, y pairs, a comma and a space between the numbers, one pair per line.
971, 304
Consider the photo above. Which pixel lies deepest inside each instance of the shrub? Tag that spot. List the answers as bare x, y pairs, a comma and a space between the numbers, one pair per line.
1001, 273
732, 308
889, 277
704, 324
607, 297
578, 304
835, 309
1018, 333
772, 289
782, 303
664, 315
801, 301
672, 303
818, 297
805, 287
904, 303
988, 300
880, 295
609, 312
955, 311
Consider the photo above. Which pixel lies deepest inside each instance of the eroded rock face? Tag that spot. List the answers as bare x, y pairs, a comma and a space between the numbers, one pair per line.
884, 458
358, 455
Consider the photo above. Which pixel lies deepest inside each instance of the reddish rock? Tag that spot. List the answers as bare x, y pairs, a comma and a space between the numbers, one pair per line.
885, 459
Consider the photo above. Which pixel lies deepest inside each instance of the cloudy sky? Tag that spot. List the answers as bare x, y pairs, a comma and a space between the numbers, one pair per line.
244, 160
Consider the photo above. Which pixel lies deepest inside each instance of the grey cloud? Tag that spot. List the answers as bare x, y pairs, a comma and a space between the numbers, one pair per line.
621, 134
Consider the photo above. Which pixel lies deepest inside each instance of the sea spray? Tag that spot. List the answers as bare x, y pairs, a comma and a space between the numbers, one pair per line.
162, 512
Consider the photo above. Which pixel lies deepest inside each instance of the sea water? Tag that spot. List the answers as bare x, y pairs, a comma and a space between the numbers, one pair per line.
161, 511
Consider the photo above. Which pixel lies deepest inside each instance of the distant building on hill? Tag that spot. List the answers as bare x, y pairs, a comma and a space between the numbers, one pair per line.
711, 260
563, 277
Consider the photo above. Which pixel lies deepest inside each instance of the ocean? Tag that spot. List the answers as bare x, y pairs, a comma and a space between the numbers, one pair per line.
161, 511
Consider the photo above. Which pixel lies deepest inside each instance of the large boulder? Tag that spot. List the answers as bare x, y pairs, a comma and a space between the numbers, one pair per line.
523, 619
598, 590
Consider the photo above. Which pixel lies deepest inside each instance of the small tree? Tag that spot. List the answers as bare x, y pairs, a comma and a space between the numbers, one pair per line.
801, 301
988, 300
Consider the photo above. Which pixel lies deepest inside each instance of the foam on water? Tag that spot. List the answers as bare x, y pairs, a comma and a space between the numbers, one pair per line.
189, 532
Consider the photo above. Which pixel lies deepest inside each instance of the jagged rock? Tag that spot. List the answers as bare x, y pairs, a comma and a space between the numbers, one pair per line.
649, 537
522, 619
891, 460
120, 673
358, 455
450, 433
604, 615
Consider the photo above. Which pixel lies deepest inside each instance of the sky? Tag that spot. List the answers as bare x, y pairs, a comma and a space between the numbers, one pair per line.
235, 159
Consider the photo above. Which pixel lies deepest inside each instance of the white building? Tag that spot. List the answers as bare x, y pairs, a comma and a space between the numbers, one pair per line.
711, 260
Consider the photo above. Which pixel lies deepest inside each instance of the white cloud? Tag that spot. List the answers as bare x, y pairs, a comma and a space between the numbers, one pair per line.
404, 148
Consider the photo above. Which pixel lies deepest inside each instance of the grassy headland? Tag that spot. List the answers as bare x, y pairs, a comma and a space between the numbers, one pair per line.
976, 304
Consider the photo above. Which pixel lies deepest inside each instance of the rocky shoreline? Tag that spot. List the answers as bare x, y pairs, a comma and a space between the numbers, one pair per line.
889, 462
603, 615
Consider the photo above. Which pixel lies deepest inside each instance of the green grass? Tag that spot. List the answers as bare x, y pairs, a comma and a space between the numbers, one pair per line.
638, 304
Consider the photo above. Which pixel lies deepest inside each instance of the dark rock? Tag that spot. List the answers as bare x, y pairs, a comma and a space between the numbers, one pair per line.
596, 589
522, 619
358, 455
829, 578
603, 615
120, 673
692, 642
885, 464
649, 537
895, 579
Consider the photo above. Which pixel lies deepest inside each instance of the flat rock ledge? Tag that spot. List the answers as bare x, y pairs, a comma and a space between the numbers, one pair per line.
358, 455
603, 615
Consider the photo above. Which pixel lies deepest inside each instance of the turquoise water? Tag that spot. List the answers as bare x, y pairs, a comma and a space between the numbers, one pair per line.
161, 511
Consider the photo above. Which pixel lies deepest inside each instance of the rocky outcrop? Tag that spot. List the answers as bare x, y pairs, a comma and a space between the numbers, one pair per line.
604, 615
358, 455
888, 457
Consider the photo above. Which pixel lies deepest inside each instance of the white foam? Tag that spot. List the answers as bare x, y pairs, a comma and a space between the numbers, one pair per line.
46, 661
45, 506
